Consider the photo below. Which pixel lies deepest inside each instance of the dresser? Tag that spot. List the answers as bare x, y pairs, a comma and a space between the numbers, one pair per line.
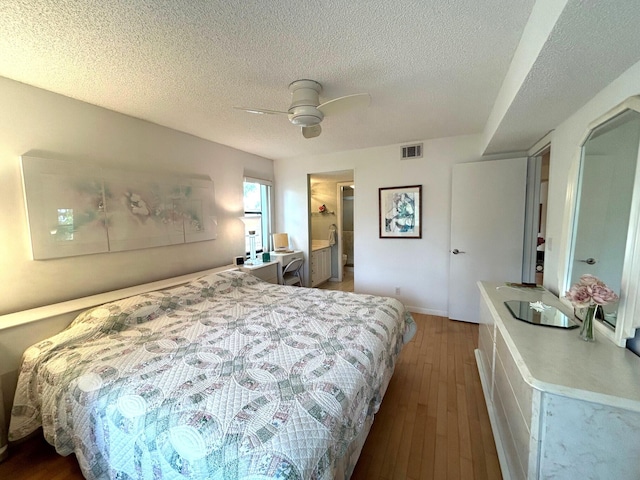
560, 407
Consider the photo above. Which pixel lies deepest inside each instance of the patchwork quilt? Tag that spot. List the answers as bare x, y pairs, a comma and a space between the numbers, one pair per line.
226, 377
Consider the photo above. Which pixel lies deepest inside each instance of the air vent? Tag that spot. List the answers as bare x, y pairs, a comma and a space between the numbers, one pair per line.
412, 151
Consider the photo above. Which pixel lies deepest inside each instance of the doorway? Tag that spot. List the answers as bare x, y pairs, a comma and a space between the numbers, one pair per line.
536, 217
346, 196
331, 200
542, 224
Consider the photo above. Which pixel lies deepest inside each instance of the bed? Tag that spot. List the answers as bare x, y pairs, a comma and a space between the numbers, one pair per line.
224, 377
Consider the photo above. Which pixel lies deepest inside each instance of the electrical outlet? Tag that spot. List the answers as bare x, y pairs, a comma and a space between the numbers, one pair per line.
397, 290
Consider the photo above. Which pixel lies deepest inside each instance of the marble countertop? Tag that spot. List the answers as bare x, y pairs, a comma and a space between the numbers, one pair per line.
557, 360
319, 244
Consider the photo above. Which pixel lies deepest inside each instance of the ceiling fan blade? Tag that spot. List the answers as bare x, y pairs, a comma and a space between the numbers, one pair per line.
311, 132
342, 104
261, 111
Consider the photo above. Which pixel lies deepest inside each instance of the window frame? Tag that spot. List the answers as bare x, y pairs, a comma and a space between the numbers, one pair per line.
265, 213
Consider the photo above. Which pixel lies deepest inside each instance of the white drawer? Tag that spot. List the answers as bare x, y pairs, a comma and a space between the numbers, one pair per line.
518, 427
485, 346
522, 390
507, 440
268, 272
286, 258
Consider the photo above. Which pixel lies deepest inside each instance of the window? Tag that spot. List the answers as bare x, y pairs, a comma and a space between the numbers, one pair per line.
257, 213
65, 224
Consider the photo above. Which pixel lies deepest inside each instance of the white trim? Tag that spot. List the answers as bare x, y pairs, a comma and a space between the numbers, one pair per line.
531, 219
540, 146
428, 311
261, 181
15, 319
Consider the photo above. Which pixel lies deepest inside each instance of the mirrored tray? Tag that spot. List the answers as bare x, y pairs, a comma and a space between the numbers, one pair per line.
538, 313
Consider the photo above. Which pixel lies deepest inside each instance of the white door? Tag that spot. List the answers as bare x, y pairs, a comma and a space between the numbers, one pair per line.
487, 230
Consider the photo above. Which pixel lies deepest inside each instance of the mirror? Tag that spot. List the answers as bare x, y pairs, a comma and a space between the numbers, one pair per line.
604, 216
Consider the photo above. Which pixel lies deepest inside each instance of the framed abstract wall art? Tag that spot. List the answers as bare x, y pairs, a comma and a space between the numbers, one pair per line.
400, 212
77, 209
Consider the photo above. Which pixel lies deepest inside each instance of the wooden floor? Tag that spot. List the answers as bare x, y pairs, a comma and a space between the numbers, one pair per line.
346, 285
433, 423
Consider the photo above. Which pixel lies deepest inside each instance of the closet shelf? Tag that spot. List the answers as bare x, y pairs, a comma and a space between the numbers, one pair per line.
319, 214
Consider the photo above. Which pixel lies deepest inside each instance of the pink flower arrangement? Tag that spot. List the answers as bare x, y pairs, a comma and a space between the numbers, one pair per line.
590, 291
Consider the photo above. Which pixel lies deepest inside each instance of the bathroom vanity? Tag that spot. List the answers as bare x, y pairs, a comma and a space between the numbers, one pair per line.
560, 407
320, 262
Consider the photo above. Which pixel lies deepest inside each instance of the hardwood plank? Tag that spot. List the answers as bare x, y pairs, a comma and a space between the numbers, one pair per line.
415, 459
404, 451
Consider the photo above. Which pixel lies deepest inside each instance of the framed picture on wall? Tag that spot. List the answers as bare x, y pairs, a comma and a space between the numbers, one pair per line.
400, 212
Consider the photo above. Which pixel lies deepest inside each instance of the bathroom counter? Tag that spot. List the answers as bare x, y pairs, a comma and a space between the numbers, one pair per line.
319, 245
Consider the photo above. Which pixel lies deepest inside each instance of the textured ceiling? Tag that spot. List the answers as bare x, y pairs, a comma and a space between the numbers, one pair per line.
433, 68
591, 44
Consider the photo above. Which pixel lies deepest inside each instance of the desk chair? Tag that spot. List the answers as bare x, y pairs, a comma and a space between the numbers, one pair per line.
291, 274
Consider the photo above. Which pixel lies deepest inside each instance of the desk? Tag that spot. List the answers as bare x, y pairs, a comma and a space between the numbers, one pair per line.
284, 258
267, 271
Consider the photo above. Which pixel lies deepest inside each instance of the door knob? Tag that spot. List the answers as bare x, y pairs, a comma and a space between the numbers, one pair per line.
589, 261
455, 251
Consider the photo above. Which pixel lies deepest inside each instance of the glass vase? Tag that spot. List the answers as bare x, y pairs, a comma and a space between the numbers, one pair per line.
252, 246
587, 332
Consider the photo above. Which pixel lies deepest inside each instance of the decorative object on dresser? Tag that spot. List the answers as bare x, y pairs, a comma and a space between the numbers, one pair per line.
400, 212
589, 293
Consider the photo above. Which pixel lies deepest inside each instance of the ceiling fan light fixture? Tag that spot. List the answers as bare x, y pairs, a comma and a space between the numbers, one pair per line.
305, 109
305, 116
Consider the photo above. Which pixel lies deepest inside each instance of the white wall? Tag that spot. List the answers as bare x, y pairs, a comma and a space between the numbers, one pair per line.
323, 193
420, 267
565, 149
44, 124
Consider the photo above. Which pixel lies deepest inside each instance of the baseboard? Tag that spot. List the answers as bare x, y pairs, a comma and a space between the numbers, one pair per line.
426, 311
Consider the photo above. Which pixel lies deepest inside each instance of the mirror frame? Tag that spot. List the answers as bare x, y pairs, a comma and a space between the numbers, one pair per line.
629, 306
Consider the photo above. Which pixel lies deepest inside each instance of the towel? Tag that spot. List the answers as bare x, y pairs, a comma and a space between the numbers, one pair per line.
332, 235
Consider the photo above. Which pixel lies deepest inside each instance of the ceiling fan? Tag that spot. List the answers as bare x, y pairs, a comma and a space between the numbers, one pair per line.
307, 112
